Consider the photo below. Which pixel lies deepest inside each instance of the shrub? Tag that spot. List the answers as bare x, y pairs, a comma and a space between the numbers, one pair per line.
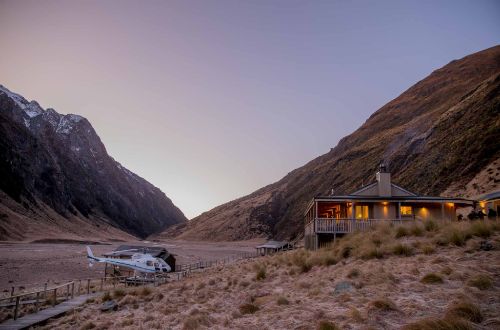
480, 229
118, 293
482, 282
106, 296
401, 232
439, 324
145, 291
465, 310
261, 273
196, 321
431, 225
248, 308
282, 301
417, 230
428, 249
446, 270
88, 325
432, 278
402, 250
326, 325
374, 253
346, 252
353, 273
383, 305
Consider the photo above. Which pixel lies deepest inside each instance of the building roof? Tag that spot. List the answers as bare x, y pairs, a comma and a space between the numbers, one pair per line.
273, 245
129, 250
489, 196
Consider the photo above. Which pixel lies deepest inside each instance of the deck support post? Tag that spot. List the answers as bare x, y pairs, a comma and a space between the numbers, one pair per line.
16, 309
12, 292
54, 300
37, 301
88, 286
442, 211
72, 290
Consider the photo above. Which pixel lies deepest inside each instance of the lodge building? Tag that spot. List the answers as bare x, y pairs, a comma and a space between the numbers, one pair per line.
327, 217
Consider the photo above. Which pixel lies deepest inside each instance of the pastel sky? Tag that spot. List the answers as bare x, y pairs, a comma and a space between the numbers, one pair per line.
210, 100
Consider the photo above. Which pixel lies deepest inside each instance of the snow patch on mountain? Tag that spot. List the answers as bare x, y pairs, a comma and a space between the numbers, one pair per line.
20, 101
67, 123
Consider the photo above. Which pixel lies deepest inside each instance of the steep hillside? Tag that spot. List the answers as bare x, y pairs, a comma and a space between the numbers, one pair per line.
436, 137
55, 172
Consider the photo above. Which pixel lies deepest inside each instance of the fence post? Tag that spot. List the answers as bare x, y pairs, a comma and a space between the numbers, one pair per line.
88, 286
12, 292
67, 291
55, 297
79, 286
72, 290
102, 283
37, 300
16, 309
45, 291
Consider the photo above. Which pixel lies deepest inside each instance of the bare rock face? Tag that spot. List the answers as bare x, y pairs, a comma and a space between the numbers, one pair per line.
437, 137
60, 161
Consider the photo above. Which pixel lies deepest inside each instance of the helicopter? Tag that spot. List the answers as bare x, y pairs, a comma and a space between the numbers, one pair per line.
140, 262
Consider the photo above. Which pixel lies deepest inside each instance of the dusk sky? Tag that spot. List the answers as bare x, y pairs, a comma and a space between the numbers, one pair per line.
210, 100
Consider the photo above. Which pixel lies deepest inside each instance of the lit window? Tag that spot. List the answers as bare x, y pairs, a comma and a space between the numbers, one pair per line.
406, 210
361, 212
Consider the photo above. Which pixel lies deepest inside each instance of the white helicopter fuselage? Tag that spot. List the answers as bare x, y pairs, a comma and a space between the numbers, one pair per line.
140, 262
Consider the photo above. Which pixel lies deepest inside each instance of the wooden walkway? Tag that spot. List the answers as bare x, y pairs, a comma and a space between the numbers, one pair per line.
45, 314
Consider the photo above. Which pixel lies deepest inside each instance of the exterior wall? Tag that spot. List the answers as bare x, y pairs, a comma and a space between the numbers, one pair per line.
388, 211
435, 212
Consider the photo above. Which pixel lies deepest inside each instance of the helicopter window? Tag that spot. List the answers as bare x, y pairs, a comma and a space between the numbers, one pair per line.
157, 265
149, 263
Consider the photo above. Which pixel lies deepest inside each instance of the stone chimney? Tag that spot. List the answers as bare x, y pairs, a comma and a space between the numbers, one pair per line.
384, 181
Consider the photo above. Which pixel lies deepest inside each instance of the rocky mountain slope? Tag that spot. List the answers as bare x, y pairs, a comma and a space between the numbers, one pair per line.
438, 137
55, 172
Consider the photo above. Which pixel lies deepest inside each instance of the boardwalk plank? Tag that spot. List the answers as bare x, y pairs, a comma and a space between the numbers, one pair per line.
43, 315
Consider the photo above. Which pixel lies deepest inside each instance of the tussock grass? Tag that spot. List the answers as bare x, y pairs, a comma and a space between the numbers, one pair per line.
88, 325
248, 308
402, 250
432, 278
401, 231
481, 281
465, 310
261, 272
326, 325
282, 301
106, 297
383, 304
353, 273
146, 291
439, 324
118, 293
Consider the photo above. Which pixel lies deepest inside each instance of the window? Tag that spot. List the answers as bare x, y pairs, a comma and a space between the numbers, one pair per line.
406, 210
361, 211
149, 263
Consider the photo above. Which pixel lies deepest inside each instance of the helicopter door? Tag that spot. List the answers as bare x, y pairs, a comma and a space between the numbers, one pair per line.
157, 266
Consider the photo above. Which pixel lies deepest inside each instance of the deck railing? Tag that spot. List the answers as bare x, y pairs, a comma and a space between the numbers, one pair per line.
343, 226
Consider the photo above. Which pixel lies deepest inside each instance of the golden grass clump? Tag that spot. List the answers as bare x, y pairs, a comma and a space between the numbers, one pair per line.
326, 325
383, 304
432, 278
401, 231
403, 250
118, 293
439, 324
106, 296
282, 301
146, 291
465, 310
481, 281
88, 325
248, 308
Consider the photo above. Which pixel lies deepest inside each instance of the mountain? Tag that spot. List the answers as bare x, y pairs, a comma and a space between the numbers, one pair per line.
56, 174
441, 136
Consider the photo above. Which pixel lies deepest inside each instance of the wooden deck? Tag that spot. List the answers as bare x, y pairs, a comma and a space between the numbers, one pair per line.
43, 315
344, 226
